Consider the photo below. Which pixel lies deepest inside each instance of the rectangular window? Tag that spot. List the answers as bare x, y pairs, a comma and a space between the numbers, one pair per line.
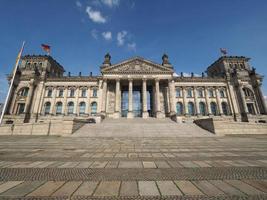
189, 93
72, 93
211, 93
222, 94
60, 93
178, 92
94, 92
83, 92
21, 107
49, 92
200, 93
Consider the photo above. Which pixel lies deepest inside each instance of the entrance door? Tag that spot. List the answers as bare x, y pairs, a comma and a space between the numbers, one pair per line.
124, 103
137, 103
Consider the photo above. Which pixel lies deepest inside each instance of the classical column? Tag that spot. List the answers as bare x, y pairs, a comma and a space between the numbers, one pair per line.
117, 99
11, 109
88, 105
243, 99
264, 108
208, 110
185, 110
130, 99
144, 97
158, 111
218, 100
104, 97
196, 102
76, 103
53, 103
172, 95
29, 98
65, 106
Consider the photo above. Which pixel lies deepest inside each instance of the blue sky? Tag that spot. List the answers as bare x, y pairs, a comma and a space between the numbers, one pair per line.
82, 32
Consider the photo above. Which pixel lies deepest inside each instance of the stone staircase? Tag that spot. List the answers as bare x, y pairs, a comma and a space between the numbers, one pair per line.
139, 127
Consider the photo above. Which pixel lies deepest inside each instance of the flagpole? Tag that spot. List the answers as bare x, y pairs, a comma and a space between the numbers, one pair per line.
12, 82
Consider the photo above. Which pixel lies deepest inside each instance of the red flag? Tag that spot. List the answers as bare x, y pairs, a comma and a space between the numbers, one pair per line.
46, 48
223, 51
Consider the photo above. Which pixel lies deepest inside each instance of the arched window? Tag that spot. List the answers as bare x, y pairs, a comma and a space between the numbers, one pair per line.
70, 107
247, 92
179, 108
24, 92
211, 92
202, 108
82, 107
225, 108
47, 107
59, 108
191, 108
93, 108
213, 108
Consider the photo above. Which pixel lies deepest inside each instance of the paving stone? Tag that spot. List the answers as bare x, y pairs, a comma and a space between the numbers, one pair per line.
129, 188
188, 164
259, 184
69, 165
112, 164
207, 188
9, 184
226, 188
86, 188
162, 164
84, 164
202, 163
47, 189
130, 164
188, 188
44, 164
174, 164
108, 188
23, 188
67, 189
243, 187
98, 164
148, 164
148, 188
168, 188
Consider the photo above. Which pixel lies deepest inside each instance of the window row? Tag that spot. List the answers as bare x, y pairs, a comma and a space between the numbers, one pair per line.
70, 108
200, 92
71, 92
202, 108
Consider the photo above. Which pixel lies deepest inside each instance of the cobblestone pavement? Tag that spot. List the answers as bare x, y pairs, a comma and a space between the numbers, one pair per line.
36, 167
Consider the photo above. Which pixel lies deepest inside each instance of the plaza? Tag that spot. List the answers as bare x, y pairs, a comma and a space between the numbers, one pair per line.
210, 167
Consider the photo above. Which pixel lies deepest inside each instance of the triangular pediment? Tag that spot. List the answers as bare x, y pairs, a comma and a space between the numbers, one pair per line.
137, 65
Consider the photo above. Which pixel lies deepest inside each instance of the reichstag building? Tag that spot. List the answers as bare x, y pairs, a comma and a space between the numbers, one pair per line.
135, 88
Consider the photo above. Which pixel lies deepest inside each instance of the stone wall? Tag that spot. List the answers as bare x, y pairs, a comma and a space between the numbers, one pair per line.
221, 128
60, 128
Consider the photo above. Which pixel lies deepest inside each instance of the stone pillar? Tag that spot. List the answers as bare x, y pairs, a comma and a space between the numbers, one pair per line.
185, 109
65, 106
196, 102
243, 99
218, 100
53, 103
264, 108
229, 102
76, 103
144, 97
130, 99
207, 101
104, 97
117, 99
158, 111
172, 96
88, 105
13, 98
29, 98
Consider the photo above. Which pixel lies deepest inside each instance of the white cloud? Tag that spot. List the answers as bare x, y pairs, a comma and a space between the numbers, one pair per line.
111, 3
78, 4
107, 35
131, 46
94, 34
121, 37
95, 15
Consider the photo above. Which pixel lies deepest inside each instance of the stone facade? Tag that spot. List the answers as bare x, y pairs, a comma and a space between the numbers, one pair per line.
135, 88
